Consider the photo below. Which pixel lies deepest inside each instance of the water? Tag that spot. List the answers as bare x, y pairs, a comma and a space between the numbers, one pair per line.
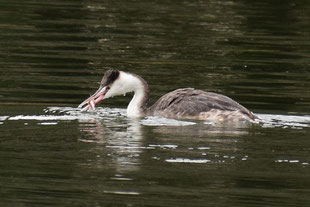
53, 54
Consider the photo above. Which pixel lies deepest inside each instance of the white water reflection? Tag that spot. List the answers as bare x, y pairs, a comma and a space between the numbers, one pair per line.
284, 121
267, 120
186, 160
291, 161
113, 117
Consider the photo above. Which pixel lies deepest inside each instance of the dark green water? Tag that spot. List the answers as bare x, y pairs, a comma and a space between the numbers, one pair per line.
54, 53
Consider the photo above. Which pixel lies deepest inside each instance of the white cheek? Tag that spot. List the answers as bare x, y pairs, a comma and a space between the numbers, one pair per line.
114, 91
108, 95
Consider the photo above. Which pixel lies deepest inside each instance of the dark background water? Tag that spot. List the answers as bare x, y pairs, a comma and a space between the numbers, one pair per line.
54, 53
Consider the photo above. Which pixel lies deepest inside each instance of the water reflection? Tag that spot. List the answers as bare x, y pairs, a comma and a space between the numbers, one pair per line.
202, 130
123, 142
106, 154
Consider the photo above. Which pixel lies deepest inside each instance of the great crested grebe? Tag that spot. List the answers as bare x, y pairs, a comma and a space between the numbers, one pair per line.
186, 103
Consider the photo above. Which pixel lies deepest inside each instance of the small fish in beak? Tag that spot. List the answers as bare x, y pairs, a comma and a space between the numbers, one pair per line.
94, 99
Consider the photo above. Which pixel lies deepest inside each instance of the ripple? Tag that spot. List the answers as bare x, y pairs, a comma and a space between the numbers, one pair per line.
48, 123
2, 118
115, 113
186, 160
165, 146
42, 117
161, 121
122, 192
291, 161
108, 114
284, 121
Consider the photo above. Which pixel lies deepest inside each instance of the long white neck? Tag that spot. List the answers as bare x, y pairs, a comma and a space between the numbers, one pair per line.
134, 108
128, 82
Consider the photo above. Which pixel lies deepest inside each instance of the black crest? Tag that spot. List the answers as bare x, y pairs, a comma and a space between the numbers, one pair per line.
109, 77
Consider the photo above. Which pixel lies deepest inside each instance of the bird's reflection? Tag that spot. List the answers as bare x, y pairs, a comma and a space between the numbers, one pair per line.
117, 142
202, 130
120, 142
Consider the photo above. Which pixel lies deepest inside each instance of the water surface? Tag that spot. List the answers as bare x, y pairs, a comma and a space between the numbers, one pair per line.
53, 55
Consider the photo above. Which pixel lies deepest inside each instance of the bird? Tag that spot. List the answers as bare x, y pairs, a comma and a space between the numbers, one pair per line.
183, 103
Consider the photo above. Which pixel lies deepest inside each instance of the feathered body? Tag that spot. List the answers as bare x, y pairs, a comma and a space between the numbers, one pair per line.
197, 104
186, 103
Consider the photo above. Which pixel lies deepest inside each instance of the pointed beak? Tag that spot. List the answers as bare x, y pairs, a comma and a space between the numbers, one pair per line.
94, 99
